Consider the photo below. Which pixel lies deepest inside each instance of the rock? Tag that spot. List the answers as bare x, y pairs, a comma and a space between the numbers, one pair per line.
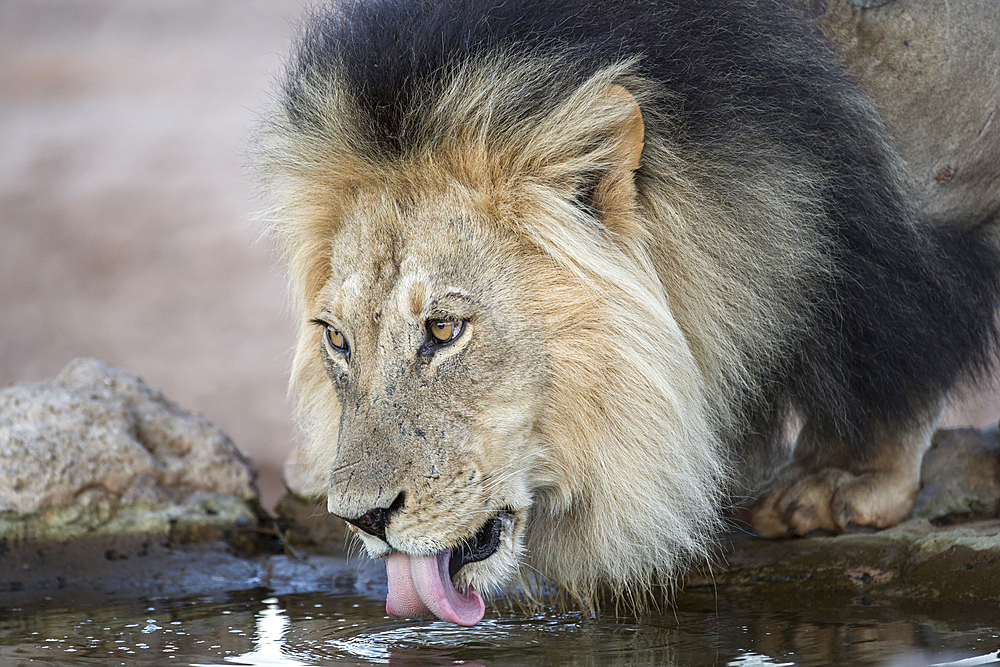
304, 522
947, 551
960, 477
98, 452
915, 562
869, 4
302, 514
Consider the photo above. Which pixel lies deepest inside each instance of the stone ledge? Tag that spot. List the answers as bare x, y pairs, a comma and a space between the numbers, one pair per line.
202, 517
913, 561
948, 551
127, 567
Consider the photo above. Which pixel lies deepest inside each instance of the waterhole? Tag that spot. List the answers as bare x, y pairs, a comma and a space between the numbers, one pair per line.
264, 628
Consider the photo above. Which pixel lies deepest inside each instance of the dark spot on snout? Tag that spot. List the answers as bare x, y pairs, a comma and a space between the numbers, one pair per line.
374, 521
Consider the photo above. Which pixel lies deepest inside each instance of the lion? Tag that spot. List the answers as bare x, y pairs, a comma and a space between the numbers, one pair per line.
565, 273
933, 71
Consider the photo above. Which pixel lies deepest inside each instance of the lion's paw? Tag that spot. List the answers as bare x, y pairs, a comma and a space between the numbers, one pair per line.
831, 499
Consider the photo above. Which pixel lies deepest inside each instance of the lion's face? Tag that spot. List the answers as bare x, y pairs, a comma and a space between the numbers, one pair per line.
437, 366
491, 379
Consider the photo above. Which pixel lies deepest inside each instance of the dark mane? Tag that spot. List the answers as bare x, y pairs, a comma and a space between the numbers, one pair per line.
907, 311
392, 53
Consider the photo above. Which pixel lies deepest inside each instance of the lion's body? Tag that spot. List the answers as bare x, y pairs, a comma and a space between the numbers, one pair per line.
662, 230
933, 70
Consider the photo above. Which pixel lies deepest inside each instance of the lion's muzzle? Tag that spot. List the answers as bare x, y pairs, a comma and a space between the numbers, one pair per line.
422, 585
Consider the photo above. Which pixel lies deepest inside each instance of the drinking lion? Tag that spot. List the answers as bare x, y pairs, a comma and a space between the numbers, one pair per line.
565, 270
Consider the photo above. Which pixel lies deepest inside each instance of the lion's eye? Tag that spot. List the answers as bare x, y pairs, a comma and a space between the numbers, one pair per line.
336, 340
444, 332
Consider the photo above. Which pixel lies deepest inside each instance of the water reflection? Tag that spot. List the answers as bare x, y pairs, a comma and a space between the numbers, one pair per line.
272, 623
756, 660
264, 629
326, 634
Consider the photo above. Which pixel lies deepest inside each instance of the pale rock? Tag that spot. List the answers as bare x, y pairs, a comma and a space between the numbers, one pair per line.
96, 450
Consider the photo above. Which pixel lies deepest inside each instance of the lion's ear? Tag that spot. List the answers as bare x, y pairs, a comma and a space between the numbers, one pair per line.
629, 150
612, 194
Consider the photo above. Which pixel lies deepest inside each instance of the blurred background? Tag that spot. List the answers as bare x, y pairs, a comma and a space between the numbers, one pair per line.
127, 226
126, 207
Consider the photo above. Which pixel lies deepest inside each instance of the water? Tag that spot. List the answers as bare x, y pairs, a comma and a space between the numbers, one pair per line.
262, 628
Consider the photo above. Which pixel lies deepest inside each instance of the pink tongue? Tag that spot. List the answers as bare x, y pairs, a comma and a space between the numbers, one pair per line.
421, 585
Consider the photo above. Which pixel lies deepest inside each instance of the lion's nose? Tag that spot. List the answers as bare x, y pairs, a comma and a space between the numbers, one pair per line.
374, 521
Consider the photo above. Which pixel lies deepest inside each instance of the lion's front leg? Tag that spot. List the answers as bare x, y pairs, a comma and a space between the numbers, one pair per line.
824, 486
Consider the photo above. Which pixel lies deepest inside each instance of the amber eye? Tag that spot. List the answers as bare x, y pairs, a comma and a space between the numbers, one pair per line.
444, 332
336, 340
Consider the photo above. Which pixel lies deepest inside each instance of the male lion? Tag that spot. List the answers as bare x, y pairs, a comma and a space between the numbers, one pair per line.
566, 268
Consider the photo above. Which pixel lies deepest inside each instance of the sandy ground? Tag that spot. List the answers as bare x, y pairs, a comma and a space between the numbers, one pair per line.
126, 209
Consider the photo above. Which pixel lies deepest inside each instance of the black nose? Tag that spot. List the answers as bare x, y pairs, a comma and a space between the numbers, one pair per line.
374, 521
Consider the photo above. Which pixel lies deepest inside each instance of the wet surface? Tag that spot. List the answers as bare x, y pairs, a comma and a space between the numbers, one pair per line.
348, 627
127, 235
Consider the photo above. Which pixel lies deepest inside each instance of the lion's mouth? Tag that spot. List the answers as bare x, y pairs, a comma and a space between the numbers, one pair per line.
482, 545
422, 585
